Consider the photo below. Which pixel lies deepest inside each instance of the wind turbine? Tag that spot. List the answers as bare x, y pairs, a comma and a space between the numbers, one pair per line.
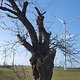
64, 37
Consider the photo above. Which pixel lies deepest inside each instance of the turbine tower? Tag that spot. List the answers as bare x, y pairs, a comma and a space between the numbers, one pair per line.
64, 38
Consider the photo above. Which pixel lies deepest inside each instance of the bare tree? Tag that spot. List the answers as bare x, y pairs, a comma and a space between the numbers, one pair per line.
42, 55
42, 48
72, 48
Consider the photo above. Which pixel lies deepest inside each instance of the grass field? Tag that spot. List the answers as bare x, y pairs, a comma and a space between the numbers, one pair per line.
70, 74
25, 74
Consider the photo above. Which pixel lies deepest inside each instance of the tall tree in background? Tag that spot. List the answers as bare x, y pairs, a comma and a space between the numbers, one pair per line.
42, 54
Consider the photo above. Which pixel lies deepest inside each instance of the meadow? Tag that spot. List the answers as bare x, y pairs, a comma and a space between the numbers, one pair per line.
69, 74
24, 73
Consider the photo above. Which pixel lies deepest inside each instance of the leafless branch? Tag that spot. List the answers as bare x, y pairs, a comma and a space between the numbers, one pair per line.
14, 5
12, 16
9, 10
25, 43
24, 7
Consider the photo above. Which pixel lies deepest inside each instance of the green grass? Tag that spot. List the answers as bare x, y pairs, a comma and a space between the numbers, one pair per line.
8, 74
58, 74
70, 74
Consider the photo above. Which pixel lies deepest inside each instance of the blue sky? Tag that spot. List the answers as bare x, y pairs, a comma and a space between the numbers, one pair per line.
63, 9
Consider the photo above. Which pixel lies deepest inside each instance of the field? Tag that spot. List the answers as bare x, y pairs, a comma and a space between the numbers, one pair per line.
25, 74
69, 74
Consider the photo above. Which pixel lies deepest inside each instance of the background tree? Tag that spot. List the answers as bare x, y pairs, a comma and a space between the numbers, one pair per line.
72, 48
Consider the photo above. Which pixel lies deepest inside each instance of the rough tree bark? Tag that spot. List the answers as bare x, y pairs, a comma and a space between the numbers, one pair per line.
42, 55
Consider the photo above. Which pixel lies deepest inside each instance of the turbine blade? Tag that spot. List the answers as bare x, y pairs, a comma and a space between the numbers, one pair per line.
61, 20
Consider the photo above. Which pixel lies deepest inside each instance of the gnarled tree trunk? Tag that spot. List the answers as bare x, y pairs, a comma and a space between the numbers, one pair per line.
43, 68
46, 69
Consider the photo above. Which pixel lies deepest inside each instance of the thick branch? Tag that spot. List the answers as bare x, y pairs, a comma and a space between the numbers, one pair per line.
30, 29
43, 34
25, 43
40, 20
14, 6
40, 24
39, 13
24, 20
24, 7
